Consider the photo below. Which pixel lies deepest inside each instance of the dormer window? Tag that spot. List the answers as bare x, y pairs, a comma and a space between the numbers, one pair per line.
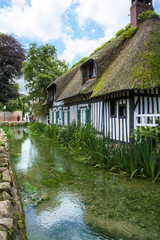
88, 70
51, 93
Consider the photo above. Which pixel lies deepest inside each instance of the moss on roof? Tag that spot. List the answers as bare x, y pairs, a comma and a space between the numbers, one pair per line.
71, 82
137, 66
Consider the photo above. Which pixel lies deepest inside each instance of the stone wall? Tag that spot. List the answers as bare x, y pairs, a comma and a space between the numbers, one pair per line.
12, 219
10, 117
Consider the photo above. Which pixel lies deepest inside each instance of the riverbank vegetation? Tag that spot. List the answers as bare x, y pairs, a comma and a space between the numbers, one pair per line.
7, 131
141, 157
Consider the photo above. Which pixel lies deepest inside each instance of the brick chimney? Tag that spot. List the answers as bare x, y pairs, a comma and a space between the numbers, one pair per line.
137, 7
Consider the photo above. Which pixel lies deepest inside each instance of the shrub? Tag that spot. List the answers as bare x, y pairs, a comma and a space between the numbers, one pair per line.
48, 131
37, 127
120, 32
51, 131
147, 15
129, 33
123, 30
128, 26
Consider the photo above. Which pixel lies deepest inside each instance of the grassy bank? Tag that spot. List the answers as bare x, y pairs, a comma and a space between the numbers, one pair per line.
7, 131
140, 157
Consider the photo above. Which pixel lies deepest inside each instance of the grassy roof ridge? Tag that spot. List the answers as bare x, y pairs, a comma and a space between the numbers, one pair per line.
150, 14
137, 66
126, 32
104, 44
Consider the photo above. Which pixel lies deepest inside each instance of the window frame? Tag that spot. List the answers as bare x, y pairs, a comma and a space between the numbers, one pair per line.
123, 105
113, 110
88, 71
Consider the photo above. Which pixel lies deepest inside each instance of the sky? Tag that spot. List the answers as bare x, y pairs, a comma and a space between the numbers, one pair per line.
75, 27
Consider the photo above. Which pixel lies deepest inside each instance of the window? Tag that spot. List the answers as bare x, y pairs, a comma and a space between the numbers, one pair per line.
54, 93
122, 110
113, 109
51, 91
91, 74
88, 70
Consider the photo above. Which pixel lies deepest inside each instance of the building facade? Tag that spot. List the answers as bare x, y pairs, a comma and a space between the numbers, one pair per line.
117, 88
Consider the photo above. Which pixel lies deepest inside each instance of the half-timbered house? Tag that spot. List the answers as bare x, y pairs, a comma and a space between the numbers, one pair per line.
117, 88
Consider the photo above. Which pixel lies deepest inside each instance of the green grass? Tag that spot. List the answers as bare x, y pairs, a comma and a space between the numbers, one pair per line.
7, 131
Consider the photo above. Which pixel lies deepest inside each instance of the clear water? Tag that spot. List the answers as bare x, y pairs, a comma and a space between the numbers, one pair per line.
84, 203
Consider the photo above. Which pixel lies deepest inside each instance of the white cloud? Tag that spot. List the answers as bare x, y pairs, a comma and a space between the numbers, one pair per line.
93, 31
79, 47
104, 12
111, 16
40, 19
48, 20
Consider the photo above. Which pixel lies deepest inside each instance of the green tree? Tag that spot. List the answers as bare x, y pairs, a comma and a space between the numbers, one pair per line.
40, 69
24, 103
12, 105
1, 106
12, 55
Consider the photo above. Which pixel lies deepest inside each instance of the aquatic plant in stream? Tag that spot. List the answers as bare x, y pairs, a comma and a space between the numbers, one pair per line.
31, 196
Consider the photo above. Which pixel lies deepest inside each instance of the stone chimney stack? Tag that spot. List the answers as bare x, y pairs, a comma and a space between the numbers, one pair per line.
137, 7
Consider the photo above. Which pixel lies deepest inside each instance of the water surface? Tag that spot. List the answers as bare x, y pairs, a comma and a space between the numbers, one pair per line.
84, 203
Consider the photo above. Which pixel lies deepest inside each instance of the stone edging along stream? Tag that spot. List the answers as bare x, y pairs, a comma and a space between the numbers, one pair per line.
12, 219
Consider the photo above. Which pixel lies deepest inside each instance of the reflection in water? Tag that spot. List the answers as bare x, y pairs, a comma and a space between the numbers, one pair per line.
68, 210
81, 196
65, 221
28, 156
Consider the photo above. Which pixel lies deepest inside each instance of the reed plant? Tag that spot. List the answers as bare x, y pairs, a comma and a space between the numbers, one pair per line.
37, 128
87, 141
66, 135
51, 131
141, 156
83, 140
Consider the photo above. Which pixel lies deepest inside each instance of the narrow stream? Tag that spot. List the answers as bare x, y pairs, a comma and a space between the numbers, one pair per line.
84, 203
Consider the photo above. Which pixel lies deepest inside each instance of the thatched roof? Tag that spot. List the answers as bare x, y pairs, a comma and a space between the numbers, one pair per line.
121, 65
137, 66
70, 84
